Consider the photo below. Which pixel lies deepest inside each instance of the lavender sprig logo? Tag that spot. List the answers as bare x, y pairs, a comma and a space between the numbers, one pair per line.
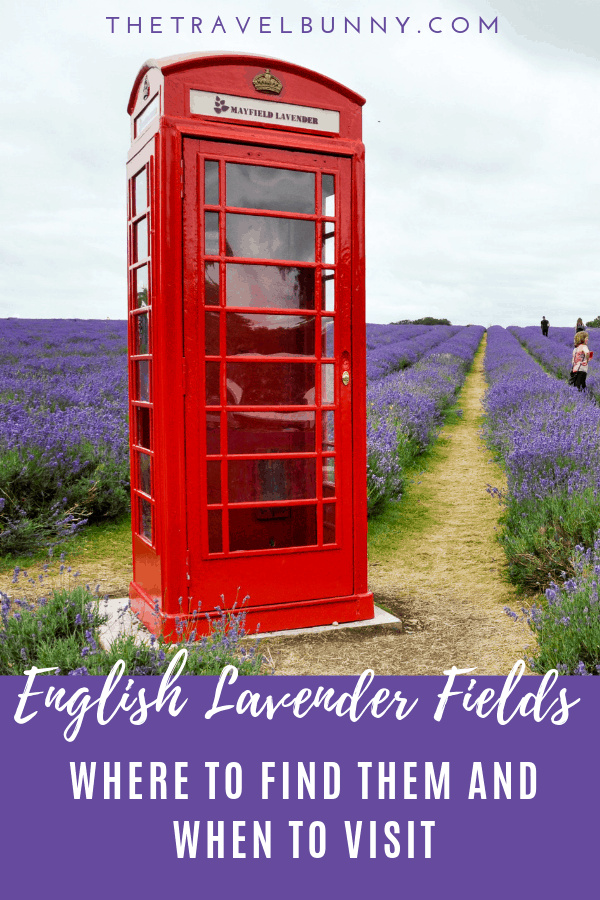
220, 106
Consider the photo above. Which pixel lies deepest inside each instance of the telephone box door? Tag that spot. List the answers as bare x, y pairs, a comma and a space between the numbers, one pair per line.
267, 295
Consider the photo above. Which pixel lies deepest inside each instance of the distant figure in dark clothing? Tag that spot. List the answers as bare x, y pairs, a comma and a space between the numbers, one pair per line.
580, 326
545, 326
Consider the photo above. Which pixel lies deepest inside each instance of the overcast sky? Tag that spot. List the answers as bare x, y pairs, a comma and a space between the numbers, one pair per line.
483, 150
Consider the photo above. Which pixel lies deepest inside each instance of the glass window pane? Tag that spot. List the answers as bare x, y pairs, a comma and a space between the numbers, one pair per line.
260, 480
269, 335
211, 233
270, 287
329, 523
328, 245
327, 390
213, 392
271, 432
213, 481
328, 477
215, 531
141, 239
211, 283
261, 187
211, 334
270, 384
140, 328
328, 432
327, 333
328, 195
142, 432
265, 527
211, 182
140, 287
144, 473
145, 517
269, 237
213, 433
140, 195
142, 370
328, 291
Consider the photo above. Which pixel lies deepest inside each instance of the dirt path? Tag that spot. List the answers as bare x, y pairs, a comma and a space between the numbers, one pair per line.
443, 581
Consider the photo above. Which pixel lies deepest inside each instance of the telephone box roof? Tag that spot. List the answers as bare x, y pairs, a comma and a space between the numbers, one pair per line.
200, 58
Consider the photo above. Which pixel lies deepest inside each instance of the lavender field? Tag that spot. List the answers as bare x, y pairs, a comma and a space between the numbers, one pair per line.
63, 428
405, 408
554, 353
546, 435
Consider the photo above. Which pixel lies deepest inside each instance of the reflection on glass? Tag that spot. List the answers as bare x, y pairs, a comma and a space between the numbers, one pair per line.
328, 195
263, 528
213, 393
327, 391
141, 239
270, 335
213, 481
269, 237
211, 333
270, 384
328, 291
327, 333
144, 474
261, 187
271, 431
328, 431
260, 480
140, 288
211, 284
215, 532
141, 334
211, 182
328, 244
142, 418
140, 195
211, 233
142, 369
213, 433
328, 477
270, 287
145, 513
329, 523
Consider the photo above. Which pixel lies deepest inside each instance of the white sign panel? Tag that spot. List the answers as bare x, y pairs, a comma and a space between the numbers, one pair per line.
205, 103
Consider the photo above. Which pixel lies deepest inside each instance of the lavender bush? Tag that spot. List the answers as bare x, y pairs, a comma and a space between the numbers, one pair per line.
63, 428
547, 437
567, 626
555, 353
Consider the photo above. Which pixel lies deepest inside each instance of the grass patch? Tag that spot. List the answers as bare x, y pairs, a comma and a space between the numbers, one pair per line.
103, 540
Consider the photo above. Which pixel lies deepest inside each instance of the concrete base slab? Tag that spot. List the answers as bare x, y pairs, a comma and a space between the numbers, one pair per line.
122, 621
381, 617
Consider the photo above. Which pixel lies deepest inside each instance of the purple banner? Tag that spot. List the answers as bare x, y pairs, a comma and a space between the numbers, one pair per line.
397, 793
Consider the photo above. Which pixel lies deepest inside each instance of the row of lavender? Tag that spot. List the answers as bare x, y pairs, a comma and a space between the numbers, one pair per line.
394, 347
555, 352
63, 427
405, 409
547, 436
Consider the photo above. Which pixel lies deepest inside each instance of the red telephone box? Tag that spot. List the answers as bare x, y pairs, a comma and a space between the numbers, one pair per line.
247, 344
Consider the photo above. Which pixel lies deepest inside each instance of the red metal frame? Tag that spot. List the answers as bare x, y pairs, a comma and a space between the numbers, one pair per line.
175, 568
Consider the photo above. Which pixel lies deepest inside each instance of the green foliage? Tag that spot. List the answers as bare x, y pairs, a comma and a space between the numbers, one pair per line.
426, 320
539, 535
63, 631
595, 323
567, 624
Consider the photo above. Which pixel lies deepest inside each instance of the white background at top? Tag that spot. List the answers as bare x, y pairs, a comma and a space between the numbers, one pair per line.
482, 149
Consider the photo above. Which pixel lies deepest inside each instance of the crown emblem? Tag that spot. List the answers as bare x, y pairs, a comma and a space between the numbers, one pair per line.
146, 88
267, 83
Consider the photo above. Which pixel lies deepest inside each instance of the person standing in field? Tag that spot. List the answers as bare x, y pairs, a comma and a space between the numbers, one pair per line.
579, 365
580, 326
545, 326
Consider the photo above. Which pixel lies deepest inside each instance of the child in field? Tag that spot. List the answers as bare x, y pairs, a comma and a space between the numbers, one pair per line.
579, 365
